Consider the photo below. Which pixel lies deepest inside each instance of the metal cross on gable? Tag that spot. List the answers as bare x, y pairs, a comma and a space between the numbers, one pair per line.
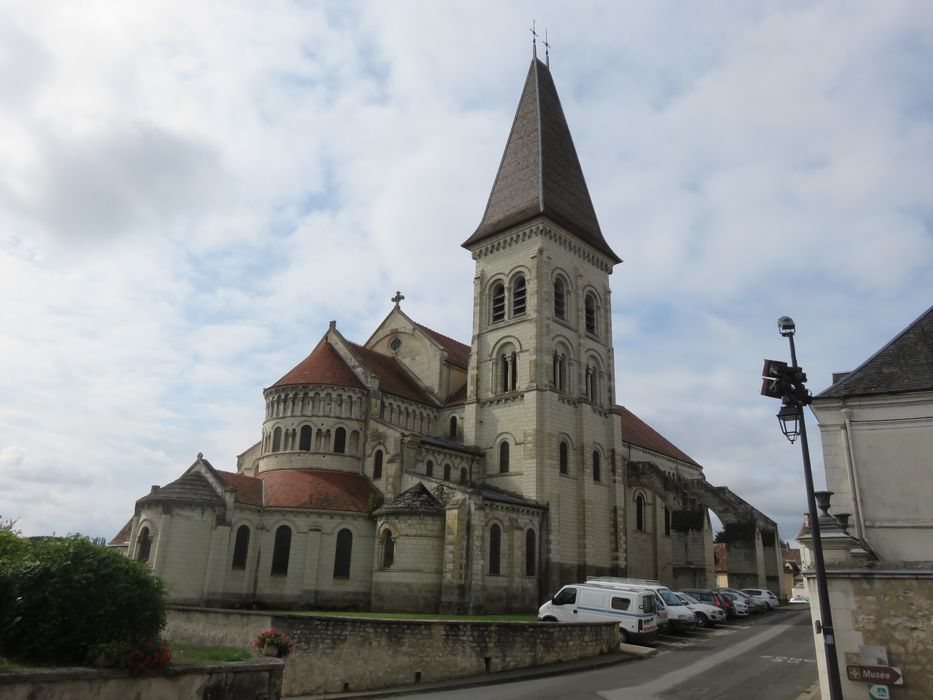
397, 299
534, 40
534, 44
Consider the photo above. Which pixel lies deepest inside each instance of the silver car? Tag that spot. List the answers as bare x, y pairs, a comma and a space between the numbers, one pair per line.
741, 609
763, 595
706, 615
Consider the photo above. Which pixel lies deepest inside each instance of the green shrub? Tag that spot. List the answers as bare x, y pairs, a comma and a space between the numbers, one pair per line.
12, 550
72, 595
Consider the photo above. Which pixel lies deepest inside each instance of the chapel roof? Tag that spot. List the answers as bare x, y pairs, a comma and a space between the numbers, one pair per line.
393, 377
122, 537
416, 500
190, 487
318, 489
323, 366
637, 432
904, 364
539, 172
458, 397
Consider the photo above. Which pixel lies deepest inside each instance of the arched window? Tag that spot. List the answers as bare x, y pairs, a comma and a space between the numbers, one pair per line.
564, 457
592, 384
463, 475
304, 441
354, 442
377, 465
591, 316
640, 512
241, 547
281, 550
495, 545
388, 550
343, 554
560, 371
667, 521
503, 457
429, 468
518, 296
498, 302
597, 466
560, 299
453, 426
446, 472
340, 440
530, 552
144, 545
277, 439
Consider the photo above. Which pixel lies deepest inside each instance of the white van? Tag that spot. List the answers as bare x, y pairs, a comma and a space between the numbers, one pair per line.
673, 614
633, 607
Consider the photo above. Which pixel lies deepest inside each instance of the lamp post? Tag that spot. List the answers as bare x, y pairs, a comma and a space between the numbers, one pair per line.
788, 384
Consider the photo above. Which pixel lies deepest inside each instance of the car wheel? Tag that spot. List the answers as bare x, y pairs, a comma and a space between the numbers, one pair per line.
549, 619
623, 636
702, 620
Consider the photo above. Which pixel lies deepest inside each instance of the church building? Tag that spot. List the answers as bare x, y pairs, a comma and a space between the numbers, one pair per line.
414, 472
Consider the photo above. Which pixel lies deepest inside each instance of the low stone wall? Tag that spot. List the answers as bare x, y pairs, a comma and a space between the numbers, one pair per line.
336, 654
259, 679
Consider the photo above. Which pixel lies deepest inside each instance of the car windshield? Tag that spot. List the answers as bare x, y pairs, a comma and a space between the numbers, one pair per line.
668, 597
689, 598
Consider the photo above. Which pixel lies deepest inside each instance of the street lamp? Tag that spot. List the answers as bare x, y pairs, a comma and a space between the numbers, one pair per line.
788, 383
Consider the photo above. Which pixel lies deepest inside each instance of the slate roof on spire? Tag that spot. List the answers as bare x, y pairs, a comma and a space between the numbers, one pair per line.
904, 364
323, 366
540, 172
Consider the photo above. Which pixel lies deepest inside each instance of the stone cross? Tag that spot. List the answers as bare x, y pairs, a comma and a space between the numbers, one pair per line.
397, 299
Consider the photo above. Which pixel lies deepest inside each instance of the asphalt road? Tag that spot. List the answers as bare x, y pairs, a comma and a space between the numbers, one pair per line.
767, 657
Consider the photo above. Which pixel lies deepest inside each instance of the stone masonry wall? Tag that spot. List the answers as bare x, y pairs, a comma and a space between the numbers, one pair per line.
352, 654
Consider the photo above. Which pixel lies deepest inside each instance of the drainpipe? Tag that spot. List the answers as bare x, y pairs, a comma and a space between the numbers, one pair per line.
853, 478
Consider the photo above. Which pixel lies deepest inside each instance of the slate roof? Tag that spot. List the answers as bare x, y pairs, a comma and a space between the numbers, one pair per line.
458, 397
323, 366
416, 500
493, 494
248, 488
457, 353
322, 490
540, 172
190, 487
122, 537
637, 432
447, 444
904, 364
393, 377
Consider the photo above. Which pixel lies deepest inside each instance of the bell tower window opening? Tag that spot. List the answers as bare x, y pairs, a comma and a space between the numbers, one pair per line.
277, 439
377, 465
560, 371
508, 371
640, 513
518, 296
591, 325
560, 299
498, 303
503, 457
340, 440
453, 426
597, 466
144, 546
564, 457
304, 440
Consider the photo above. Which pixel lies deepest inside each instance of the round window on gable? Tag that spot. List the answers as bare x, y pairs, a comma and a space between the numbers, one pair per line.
395, 344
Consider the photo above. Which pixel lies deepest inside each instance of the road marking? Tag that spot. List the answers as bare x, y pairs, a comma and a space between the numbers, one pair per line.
653, 690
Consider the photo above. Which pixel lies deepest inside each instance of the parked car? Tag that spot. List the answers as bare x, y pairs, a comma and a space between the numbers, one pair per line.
754, 606
801, 599
707, 615
763, 595
704, 595
738, 602
632, 606
679, 618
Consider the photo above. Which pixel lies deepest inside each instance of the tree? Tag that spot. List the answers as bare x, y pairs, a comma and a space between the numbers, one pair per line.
720, 537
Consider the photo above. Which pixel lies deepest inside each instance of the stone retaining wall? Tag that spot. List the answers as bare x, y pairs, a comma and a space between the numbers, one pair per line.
336, 654
259, 679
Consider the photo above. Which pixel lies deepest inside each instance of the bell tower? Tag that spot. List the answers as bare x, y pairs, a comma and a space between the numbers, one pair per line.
540, 393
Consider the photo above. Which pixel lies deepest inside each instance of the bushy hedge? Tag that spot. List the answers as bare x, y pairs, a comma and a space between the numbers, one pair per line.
70, 595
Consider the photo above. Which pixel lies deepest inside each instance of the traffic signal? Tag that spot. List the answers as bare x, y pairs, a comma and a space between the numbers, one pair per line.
782, 382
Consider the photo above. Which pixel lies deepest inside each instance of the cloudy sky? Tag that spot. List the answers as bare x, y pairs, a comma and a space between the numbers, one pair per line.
189, 192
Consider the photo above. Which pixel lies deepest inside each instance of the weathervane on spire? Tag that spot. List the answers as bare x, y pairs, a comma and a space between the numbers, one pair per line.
534, 40
397, 299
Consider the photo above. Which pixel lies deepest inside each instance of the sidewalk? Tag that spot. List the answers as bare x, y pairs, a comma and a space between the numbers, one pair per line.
811, 693
627, 652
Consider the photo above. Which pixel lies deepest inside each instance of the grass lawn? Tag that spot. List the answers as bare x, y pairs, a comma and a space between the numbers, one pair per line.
197, 654
417, 616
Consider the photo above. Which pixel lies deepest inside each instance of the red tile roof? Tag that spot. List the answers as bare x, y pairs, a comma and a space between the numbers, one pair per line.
458, 397
248, 488
393, 377
637, 432
323, 490
323, 366
457, 352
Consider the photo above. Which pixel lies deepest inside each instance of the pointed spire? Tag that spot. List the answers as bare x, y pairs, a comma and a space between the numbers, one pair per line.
540, 172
